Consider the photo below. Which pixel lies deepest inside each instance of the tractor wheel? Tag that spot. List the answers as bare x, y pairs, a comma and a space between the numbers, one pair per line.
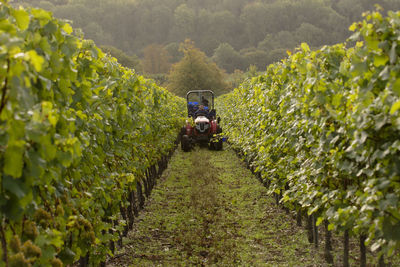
183, 131
211, 145
218, 145
185, 143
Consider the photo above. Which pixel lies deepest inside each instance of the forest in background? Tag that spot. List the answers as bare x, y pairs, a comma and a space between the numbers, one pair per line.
235, 34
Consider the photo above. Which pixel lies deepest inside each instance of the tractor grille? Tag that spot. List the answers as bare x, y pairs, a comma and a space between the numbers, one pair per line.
202, 126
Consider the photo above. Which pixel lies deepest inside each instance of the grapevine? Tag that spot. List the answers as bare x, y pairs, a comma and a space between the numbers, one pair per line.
322, 130
79, 135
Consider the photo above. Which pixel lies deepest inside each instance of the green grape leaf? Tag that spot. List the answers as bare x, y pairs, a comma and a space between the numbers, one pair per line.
12, 209
380, 60
48, 150
35, 59
13, 159
67, 28
65, 158
14, 186
22, 18
353, 27
42, 15
305, 47
396, 86
67, 255
391, 230
48, 252
395, 107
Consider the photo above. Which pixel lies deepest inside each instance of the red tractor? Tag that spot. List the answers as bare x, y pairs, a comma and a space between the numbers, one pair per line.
202, 124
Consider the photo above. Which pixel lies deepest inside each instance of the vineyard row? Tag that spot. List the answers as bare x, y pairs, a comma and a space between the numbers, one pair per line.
321, 129
82, 140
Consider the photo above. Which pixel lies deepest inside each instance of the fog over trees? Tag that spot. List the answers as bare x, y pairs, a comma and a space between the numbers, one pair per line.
234, 33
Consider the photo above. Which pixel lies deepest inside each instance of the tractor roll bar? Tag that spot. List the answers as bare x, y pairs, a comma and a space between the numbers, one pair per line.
200, 94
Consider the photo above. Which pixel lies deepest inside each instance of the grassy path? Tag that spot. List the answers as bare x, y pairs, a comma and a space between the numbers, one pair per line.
208, 210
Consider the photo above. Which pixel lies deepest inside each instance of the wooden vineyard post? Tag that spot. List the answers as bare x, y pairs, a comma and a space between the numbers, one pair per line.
315, 230
310, 229
363, 251
328, 244
346, 248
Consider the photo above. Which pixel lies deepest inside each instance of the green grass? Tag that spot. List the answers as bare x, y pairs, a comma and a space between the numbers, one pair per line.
209, 210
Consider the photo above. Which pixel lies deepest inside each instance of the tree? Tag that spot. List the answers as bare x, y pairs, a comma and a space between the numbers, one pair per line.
228, 58
95, 32
155, 59
195, 72
214, 28
124, 59
267, 25
154, 24
47, 5
60, 2
236, 78
310, 34
174, 52
283, 39
234, 6
352, 9
78, 13
256, 57
254, 17
185, 22
276, 55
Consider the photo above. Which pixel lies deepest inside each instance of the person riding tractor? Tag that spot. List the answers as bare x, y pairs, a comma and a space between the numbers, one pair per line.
201, 112
205, 129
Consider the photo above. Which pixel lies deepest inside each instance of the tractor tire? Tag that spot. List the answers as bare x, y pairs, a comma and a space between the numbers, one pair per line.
211, 146
183, 131
185, 143
218, 145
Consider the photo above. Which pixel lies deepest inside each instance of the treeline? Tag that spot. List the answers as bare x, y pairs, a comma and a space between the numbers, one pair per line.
321, 131
235, 33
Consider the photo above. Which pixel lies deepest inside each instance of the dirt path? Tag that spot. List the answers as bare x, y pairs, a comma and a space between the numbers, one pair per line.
209, 210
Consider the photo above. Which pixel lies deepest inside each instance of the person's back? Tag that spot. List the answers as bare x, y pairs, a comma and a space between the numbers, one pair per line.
201, 112
204, 101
